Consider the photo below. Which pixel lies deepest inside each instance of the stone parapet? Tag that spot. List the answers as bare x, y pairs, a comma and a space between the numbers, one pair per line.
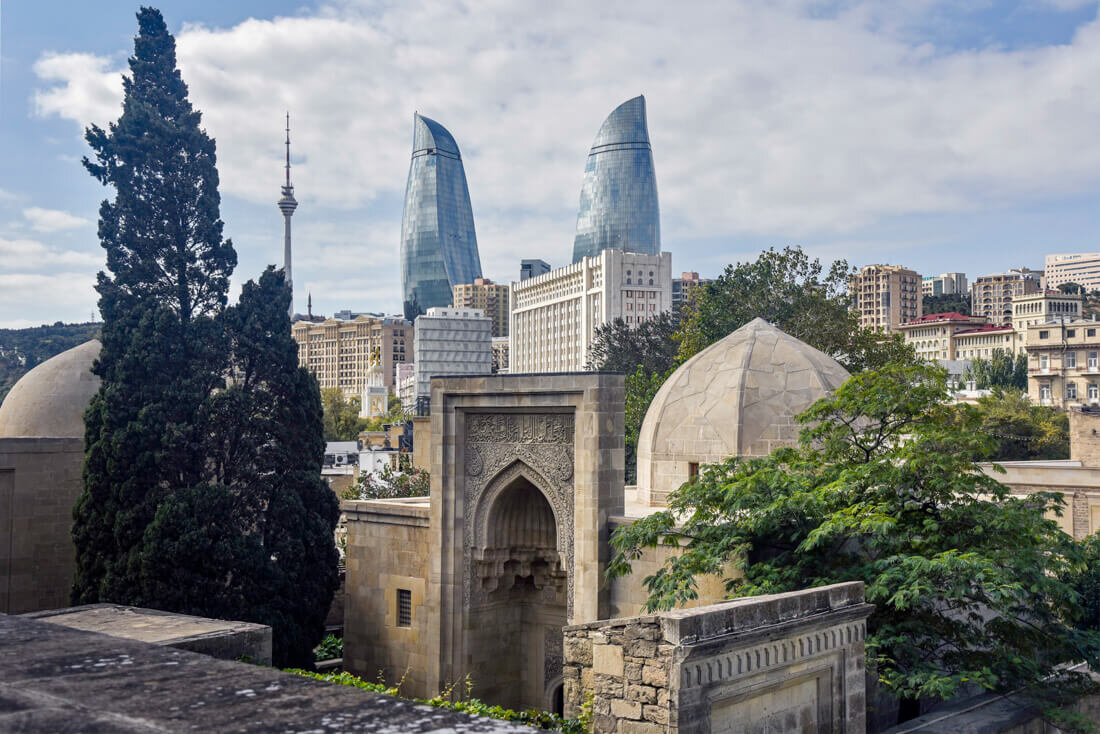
788, 662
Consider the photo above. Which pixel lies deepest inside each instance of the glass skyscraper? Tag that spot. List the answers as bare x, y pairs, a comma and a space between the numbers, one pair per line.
618, 208
438, 244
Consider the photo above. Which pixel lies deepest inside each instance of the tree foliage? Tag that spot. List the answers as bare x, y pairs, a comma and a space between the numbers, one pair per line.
1021, 430
1001, 370
389, 484
883, 488
341, 415
641, 387
621, 347
947, 303
202, 490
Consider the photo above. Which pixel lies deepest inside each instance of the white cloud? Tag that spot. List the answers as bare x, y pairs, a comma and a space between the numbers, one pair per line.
52, 220
23, 254
765, 119
68, 291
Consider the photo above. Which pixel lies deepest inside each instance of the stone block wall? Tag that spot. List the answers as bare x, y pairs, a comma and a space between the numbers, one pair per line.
40, 481
781, 663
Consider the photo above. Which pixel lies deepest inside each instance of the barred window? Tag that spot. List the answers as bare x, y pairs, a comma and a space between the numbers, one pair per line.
404, 608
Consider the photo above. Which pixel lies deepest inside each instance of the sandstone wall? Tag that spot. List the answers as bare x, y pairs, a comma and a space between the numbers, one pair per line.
781, 663
40, 481
387, 550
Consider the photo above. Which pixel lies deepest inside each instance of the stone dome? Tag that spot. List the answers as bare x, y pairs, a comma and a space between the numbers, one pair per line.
50, 400
737, 397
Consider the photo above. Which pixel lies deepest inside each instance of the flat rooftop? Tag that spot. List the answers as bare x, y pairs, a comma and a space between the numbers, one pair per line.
56, 678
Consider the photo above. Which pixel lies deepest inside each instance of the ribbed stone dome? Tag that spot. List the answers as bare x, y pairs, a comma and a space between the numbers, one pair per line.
737, 397
50, 400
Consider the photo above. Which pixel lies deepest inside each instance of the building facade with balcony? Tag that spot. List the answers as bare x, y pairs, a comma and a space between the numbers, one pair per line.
992, 296
885, 296
933, 336
488, 297
1063, 363
340, 352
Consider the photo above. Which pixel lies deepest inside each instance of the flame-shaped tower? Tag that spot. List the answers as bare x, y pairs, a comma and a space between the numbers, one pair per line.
618, 208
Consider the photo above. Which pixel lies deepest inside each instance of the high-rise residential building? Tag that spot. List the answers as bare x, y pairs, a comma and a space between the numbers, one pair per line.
500, 354
532, 268
947, 284
438, 244
1082, 268
287, 204
932, 335
1045, 306
885, 296
992, 295
339, 353
487, 296
451, 341
618, 204
554, 316
682, 288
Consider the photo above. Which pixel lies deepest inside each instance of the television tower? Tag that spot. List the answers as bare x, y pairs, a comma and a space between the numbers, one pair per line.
287, 205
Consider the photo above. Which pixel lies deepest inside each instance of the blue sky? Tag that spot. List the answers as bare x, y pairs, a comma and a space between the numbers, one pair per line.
942, 136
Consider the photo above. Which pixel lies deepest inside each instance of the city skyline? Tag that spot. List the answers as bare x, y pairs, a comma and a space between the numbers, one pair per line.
880, 135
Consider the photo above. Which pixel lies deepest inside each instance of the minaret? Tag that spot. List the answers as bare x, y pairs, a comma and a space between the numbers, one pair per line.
287, 205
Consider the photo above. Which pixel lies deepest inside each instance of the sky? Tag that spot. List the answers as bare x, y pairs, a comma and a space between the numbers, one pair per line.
943, 136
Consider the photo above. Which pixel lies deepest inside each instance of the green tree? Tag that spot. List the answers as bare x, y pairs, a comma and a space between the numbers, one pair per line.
1071, 287
884, 488
162, 352
621, 347
390, 484
203, 446
342, 421
1001, 370
1022, 431
947, 303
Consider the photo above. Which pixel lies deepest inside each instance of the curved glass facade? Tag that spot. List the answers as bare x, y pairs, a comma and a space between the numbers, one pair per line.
618, 208
438, 244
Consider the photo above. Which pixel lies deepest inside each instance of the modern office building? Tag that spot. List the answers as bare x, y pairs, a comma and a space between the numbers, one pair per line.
1082, 268
682, 288
554, 316
339, 353
489, 297
533, 268
438, 244
992, 295
932, 335
618, 205
947, 284
885, 296
451, 341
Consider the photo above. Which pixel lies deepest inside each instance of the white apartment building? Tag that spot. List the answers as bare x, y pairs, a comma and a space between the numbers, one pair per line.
454, 341
932, 336
555, 315
1082, 268
947, 284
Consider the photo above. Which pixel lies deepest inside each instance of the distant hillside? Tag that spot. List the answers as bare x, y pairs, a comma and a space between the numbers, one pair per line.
21, 350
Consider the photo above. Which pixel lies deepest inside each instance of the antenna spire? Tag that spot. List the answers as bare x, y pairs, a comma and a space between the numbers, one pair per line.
288, 148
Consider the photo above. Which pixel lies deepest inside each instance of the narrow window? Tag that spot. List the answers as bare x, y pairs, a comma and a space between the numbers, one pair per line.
693, 471
404, 608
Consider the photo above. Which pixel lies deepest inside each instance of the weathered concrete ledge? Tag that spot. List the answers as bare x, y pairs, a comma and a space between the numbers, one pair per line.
53, 678
219, 638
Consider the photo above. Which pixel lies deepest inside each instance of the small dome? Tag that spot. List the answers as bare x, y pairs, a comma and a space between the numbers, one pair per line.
50, 400
737, 397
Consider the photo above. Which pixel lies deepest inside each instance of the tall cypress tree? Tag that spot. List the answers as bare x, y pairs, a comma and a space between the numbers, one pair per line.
163, 353
202, 494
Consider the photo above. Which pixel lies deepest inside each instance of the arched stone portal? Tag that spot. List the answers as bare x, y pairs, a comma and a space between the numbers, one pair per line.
518, 603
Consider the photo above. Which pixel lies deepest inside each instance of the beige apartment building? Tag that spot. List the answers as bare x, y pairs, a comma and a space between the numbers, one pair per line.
992, 296
981, 342
488, 297
555, 315
339, 351
1063, 363
1049, 305
885, 296
1082, 268
933, 335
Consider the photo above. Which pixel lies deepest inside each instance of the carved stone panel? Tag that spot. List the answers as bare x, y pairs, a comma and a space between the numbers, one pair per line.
500, 448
